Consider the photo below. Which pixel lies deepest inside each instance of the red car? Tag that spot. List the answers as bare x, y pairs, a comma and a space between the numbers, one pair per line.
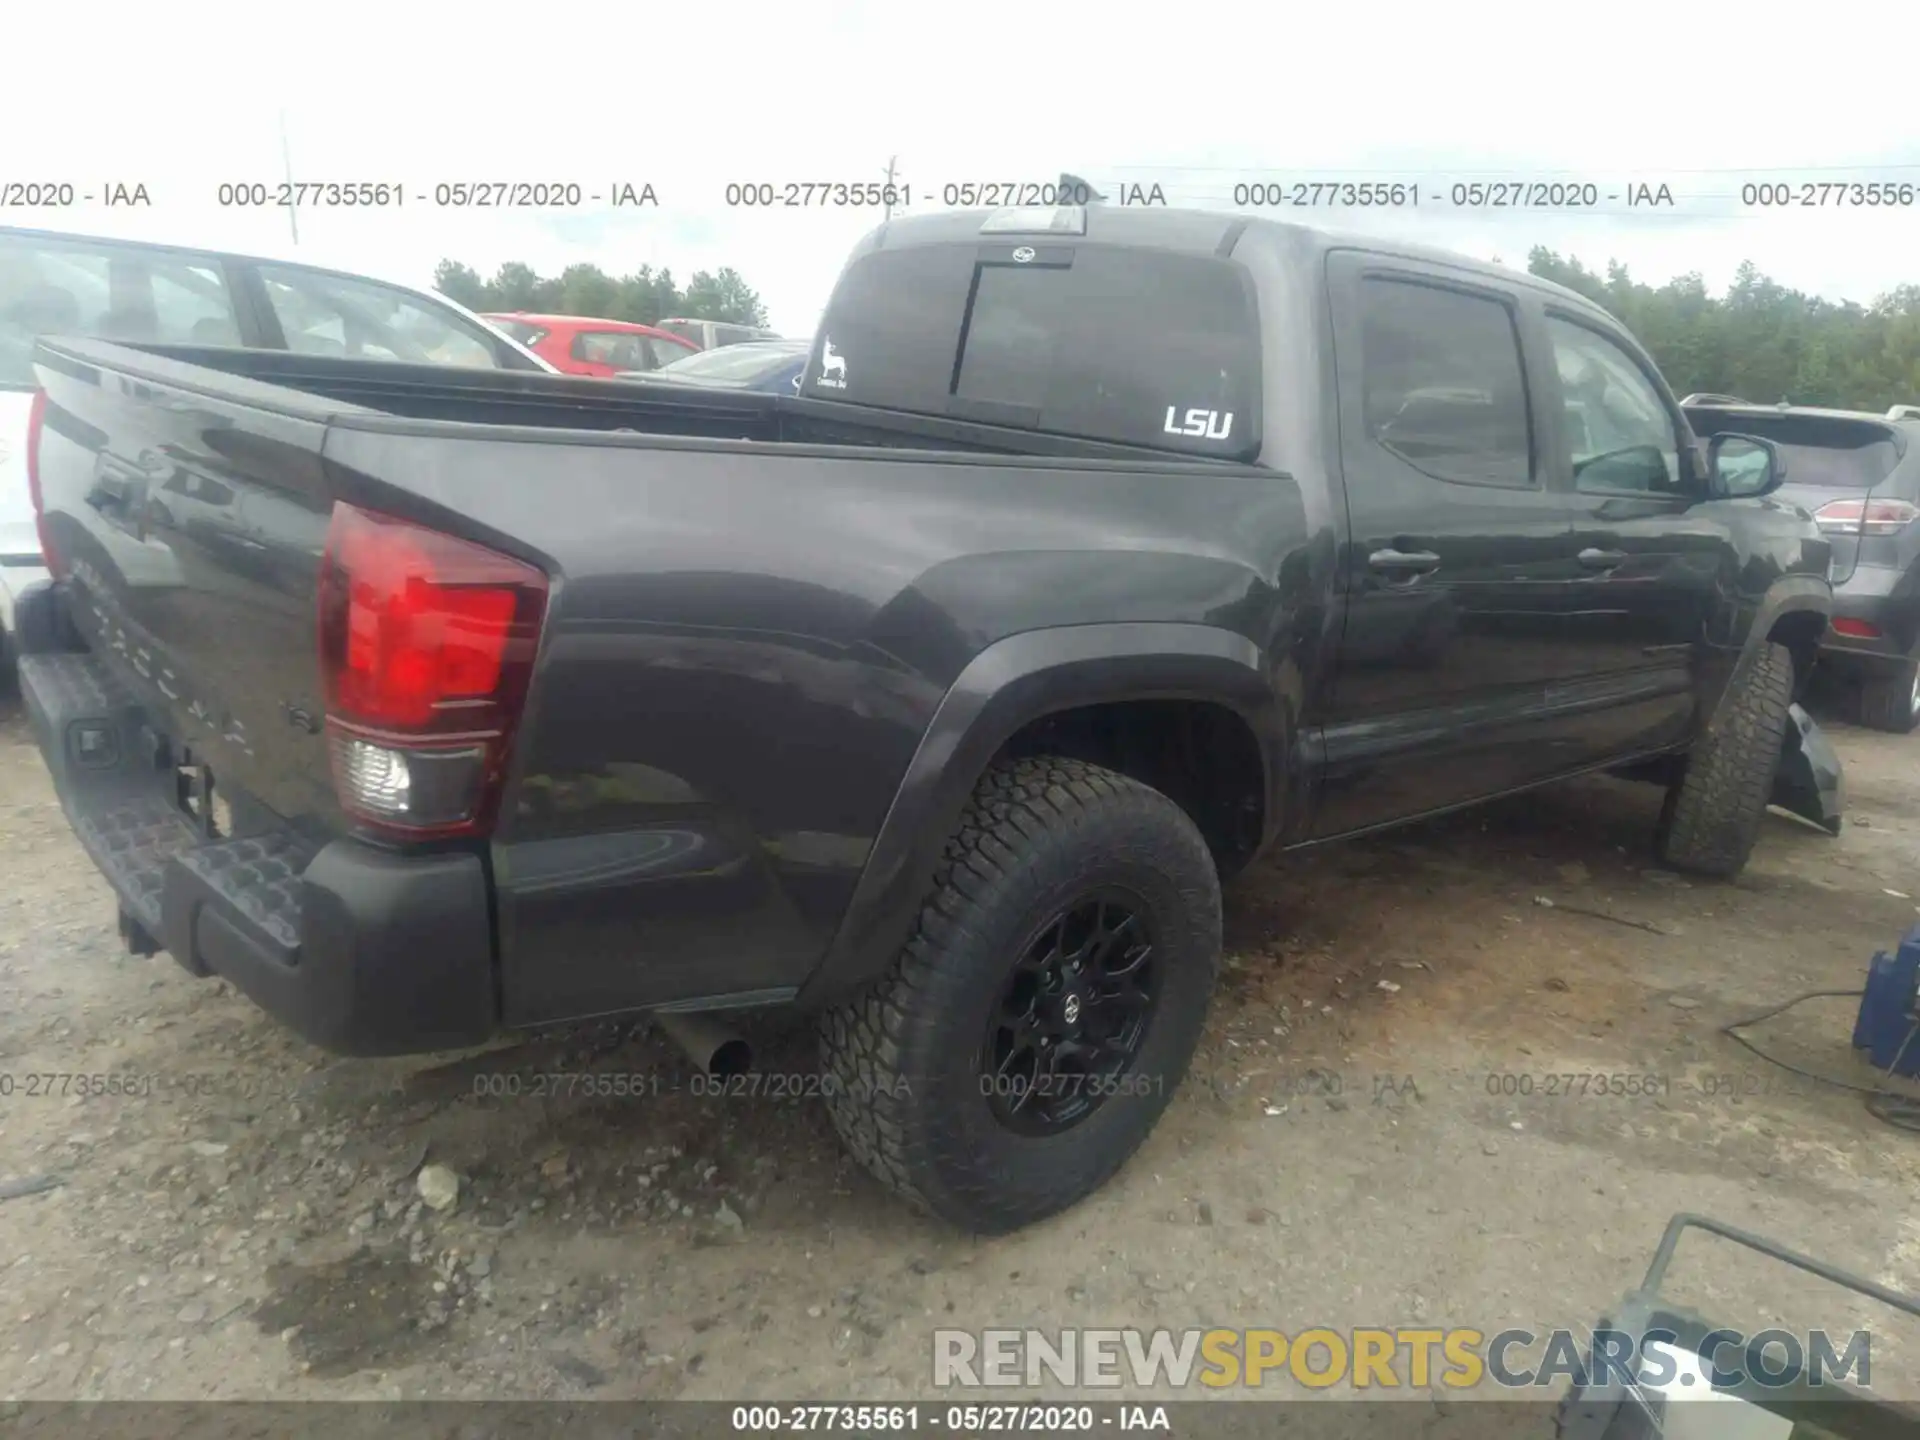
581, 345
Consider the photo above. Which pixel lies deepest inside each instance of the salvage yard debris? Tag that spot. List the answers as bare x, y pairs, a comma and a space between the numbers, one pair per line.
1647, 925
29, 1185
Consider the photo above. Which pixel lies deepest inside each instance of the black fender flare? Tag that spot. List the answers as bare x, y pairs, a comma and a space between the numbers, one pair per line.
1719, 663
1786, 596
1004, 688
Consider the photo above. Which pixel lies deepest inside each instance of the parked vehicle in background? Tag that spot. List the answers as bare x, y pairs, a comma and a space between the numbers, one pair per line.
1101, 552
60, 284
582, 345
1858, 475
770, 365
712, 334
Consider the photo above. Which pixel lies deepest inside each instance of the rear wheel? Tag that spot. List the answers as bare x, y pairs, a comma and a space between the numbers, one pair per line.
1712, 814
1890, 699
1049, 1001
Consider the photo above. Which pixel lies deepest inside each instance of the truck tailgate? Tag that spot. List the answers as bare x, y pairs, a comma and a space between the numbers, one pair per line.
184, 733
189, 527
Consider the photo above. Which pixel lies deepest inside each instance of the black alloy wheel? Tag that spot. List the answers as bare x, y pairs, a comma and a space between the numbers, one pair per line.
1071, 1017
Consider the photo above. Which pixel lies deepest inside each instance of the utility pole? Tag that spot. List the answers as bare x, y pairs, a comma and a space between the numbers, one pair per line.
887, 196
286, 158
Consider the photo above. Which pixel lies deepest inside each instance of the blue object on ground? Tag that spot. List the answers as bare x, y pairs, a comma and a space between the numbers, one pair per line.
1888, 1019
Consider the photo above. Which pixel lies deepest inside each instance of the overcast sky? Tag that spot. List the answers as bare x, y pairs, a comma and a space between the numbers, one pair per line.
1197, 98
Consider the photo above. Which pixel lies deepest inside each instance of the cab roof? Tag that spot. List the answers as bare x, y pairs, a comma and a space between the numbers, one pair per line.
1200, 232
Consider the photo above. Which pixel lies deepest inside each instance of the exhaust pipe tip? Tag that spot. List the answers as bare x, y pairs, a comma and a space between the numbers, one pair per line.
717, 1051
732, 1057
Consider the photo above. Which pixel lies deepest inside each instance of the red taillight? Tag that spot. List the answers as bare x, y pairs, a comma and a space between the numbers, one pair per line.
1858, 629
426, 644
1865, 517
36, 422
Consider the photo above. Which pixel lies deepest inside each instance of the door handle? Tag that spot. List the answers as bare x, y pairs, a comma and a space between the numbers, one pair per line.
1603, 559
1404, 564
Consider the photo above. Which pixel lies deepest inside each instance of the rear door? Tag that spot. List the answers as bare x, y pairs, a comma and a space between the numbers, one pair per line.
1459, 555
1654, 555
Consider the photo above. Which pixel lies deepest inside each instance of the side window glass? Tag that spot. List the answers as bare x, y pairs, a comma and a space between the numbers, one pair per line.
324, 314
191, 304
1619, 435
1442, 384
55, 286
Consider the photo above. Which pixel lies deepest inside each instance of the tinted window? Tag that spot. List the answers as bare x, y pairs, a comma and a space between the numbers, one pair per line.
1140, 347
1832, 452
1619, 434
897, 314
323, 314
1442, 385
1010, 350
62, 287
690, 330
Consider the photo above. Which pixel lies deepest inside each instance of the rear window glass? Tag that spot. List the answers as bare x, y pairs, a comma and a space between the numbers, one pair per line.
1827, 451
321, 313
518, 330
52, 286
691, 330
619, 348
1141, 347
665, 352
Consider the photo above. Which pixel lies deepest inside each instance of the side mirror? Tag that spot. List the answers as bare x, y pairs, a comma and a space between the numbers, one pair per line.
1744, 467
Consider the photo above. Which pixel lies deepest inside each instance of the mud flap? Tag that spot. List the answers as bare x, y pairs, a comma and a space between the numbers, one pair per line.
1809, 782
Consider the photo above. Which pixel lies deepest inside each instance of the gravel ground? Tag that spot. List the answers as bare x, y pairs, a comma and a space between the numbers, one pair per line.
257, 1218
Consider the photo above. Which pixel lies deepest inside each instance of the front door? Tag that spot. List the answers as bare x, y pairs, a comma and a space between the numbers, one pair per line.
1652, 553
1459, 556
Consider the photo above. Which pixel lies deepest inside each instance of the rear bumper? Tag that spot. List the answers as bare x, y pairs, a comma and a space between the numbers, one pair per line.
360, 950
1886, 599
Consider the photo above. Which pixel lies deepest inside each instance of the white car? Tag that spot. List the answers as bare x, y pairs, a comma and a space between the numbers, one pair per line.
53, 284
712, 334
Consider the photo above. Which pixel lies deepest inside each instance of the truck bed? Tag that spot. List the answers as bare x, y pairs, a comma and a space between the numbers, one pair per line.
530, 399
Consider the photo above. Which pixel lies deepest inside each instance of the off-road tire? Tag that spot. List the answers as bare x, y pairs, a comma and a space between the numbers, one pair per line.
1887, 700
901, 1059
1712, 813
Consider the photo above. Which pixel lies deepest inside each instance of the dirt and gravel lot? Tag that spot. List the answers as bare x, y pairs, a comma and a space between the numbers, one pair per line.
1371, 1135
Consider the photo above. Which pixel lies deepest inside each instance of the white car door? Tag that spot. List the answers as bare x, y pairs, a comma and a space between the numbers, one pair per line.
19, 538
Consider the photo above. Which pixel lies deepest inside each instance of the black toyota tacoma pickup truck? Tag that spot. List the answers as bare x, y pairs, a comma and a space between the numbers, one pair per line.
1101, 552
